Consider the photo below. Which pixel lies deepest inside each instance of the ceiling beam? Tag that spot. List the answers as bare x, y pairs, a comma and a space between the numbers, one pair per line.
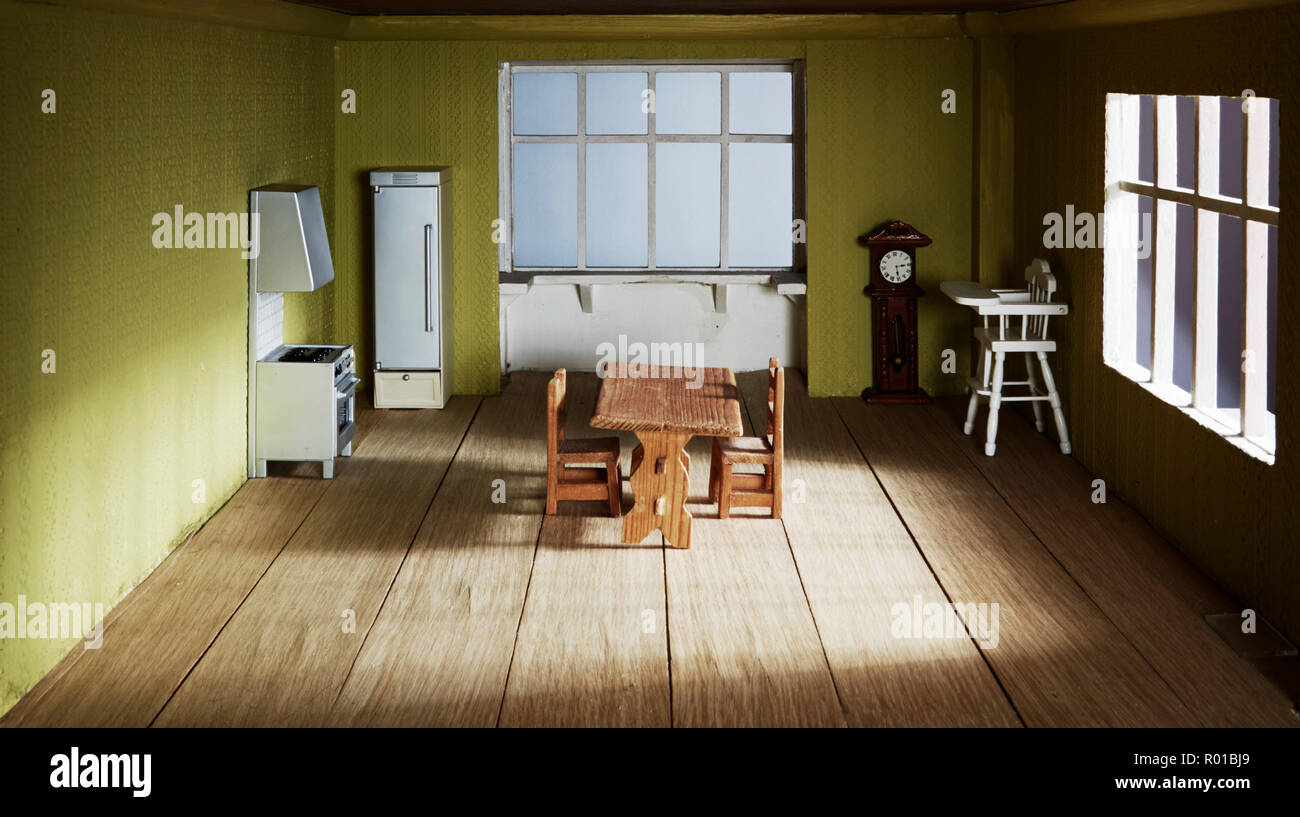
1095, 13
264, 15
278, 15
654, 27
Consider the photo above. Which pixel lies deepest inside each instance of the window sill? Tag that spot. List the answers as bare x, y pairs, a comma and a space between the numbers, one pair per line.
789, 284
1225, 423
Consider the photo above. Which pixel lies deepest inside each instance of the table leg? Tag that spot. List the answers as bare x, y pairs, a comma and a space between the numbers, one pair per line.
659, 485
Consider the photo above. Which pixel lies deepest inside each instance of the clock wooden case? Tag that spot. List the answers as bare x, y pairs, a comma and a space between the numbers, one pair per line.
894, 292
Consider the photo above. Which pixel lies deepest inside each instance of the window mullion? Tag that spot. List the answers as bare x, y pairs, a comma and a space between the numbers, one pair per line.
724, 150
582, 170
1164, 241
1205, 372
1254, 245
651, 142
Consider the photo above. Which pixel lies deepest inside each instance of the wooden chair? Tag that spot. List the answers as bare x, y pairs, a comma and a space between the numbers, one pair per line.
564, 482
728, 488
1028, 336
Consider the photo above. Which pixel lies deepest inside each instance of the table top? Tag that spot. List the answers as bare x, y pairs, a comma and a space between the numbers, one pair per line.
631, 399
969, 293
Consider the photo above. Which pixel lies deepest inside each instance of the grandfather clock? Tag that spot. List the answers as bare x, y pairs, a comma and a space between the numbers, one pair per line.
893, 292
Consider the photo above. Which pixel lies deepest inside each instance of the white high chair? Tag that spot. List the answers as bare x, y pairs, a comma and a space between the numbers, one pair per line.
1027, 336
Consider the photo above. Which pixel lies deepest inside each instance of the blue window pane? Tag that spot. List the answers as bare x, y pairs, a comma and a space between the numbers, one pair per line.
615, 102
1230, 311
546, 205
760, 102
688, 103
1184, 296
1185, 108
1146, 139
759, 225
1145, 281
545, 104
617, 205
1231, 123
688, 178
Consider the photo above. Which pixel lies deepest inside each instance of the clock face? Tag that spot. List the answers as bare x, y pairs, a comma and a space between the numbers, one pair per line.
896, 266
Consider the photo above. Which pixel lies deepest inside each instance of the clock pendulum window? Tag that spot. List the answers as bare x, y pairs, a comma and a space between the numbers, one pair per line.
893, 291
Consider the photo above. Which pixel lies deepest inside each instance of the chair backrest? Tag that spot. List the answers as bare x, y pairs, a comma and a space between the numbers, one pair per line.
556, 410
776, 405
1042, 286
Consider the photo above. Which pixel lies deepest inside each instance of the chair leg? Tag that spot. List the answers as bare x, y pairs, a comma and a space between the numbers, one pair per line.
971, 408
1055, 397
724, 491
715, 466
995, 403
615, 489
776, 479
552, 488
1033, 388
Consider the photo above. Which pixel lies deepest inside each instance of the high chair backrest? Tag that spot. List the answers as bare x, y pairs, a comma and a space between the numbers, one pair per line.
776, 405
556, 406
1042, 286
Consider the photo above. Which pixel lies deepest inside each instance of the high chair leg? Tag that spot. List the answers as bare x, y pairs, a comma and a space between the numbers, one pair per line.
1033, 387
995, 403
971, 408
1056, 403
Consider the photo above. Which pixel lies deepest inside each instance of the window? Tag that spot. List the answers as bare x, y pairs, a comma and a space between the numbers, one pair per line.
632, 167
1191, 255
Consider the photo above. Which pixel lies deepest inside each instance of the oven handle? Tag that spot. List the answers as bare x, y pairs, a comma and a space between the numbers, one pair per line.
349, 390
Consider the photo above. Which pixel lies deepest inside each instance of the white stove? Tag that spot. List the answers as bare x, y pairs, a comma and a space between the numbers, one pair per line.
305, 405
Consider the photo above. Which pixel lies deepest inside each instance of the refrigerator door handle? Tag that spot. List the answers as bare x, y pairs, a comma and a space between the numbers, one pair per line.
428, 284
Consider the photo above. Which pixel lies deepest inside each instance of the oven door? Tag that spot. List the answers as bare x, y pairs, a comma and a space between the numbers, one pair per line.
345, 404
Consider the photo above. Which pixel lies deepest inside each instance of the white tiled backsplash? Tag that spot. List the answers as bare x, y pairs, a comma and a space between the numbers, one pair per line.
270, 322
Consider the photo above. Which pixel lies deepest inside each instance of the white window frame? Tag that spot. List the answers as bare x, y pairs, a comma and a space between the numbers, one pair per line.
1252, 427
507, 140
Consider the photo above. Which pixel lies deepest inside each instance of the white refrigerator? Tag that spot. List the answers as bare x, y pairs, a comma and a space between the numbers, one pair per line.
412, 217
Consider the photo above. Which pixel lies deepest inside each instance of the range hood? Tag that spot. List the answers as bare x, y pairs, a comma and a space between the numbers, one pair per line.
293, 249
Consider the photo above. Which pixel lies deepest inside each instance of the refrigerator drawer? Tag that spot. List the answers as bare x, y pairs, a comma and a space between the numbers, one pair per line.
409, 390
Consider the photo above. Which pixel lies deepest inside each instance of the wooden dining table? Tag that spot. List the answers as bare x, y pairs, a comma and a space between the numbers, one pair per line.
665, 408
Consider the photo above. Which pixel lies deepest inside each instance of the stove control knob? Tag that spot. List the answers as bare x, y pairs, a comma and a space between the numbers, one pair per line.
406, 377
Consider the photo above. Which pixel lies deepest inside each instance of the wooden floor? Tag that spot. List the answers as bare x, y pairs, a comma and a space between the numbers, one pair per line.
406, 592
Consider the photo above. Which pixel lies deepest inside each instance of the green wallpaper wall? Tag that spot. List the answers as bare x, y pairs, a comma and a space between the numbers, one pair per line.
98, 459
879, 147
1234, 516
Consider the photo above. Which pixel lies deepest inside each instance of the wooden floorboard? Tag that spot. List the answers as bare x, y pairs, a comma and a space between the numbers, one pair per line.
857, 562
469, 612
743, 645
592, 648
175, 614
283, 656
155, 635
1126, 569
1058, 656
440, 650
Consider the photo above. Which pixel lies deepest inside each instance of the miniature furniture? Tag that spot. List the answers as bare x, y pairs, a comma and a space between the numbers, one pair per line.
1021, 327
894, 291
753, 490
564, 481
665, 412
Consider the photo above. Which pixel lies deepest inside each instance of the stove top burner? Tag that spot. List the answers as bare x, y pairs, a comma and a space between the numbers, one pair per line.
308, 354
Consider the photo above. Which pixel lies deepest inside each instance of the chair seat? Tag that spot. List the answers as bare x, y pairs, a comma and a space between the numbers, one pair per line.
990, 339
745, 449
589, 449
